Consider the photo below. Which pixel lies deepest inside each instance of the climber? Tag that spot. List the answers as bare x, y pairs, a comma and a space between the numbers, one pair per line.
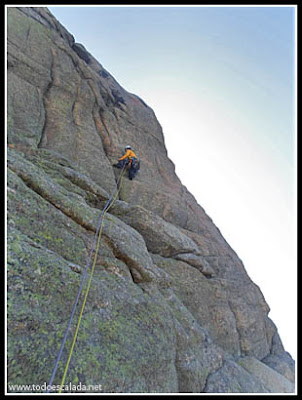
130, 160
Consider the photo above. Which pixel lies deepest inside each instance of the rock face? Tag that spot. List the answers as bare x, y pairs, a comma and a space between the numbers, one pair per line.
171, 308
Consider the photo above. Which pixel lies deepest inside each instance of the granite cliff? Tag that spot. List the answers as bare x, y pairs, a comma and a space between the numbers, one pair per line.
171, 308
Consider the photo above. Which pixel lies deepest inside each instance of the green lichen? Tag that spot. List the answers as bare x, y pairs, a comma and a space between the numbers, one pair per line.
42, 222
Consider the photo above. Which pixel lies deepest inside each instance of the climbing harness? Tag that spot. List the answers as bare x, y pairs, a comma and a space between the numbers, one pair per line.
135, 162
95, 246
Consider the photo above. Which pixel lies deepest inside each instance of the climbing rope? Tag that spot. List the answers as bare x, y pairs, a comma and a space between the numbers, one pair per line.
95, 246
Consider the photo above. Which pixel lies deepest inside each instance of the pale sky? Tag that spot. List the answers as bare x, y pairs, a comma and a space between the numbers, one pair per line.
221, 81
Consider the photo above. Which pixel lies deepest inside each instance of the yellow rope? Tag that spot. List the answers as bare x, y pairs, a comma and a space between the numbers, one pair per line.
87, 289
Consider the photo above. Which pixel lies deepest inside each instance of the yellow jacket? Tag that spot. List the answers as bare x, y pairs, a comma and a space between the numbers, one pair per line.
129, 154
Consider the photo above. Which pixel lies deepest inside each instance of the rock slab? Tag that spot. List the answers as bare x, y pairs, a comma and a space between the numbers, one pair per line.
171, 308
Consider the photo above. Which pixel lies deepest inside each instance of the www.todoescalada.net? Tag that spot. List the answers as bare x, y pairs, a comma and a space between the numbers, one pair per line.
71, 387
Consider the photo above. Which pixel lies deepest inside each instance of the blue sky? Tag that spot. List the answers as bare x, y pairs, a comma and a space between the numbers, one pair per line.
221, 81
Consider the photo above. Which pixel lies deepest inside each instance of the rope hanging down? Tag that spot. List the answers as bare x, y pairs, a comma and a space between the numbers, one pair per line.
96, 245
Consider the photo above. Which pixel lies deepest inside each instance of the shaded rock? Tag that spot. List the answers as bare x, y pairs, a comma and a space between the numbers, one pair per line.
196, 355
232, 378
161, 236
251, 319
272, 380
129, 246
206, 301
283, 364
197, 261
